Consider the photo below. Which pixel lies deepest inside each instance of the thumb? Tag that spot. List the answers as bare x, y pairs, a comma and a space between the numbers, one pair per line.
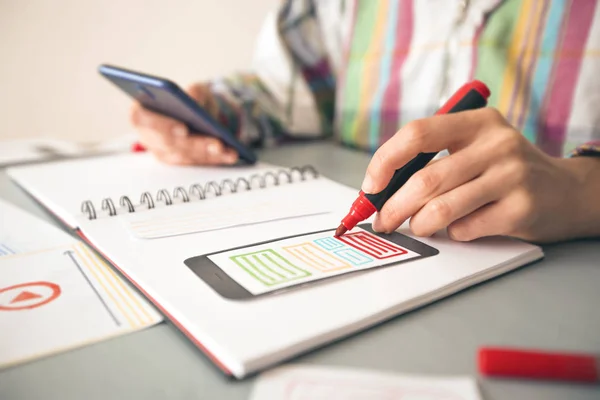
202, 94
198, 91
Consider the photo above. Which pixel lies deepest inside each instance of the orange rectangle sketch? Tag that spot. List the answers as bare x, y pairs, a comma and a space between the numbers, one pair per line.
316, 257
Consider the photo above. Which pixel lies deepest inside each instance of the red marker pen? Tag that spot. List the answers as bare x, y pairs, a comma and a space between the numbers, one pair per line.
469, 97
535, 364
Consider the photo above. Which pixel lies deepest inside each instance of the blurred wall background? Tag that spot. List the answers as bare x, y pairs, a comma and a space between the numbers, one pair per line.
50, 50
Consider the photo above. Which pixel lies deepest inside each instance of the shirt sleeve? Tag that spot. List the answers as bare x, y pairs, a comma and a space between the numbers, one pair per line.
588, 149
290, 91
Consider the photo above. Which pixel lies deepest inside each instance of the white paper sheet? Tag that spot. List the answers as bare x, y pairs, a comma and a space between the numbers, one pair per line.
21, 232
63, 298
37, 149
56, 294
305, 382
26, 150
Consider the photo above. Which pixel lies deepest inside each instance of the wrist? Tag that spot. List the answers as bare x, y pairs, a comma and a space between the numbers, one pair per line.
584, 200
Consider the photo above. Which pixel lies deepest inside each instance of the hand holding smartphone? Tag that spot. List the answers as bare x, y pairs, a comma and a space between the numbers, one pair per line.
164, 97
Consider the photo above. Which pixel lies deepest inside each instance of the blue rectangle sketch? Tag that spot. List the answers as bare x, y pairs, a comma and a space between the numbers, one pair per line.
353, 256
329, 243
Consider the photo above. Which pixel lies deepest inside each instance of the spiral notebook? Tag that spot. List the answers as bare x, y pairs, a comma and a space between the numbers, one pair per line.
270, 229
116, 185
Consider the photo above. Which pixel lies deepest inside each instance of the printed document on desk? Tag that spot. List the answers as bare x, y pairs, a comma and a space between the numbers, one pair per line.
56, 294
315, 382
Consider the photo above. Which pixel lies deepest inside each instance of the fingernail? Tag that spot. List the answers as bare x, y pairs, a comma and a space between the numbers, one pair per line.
179, 131
213, 149
377, 225
368, 184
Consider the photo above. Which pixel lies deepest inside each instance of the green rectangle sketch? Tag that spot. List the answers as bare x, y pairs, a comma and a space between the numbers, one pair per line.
269, 267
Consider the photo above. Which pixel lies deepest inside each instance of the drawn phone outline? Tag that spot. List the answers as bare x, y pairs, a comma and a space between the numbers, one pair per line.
220, 282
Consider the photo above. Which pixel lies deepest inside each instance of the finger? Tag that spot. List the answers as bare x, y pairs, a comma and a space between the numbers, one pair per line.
164, 153
432, 181
449, 207
134, 113
450, 131
143, 118
212, 151
229, 156
193, 150
161, 155
204, 97
174, 158
186, 151
198, 92
503, 217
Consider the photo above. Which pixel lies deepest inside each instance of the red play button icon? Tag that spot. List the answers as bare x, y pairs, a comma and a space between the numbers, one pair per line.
28, 295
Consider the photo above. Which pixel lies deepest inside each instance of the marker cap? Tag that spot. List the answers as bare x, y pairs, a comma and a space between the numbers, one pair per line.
503, 362
361, 209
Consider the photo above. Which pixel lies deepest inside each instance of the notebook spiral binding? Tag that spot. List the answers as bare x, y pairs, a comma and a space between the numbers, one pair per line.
201, 192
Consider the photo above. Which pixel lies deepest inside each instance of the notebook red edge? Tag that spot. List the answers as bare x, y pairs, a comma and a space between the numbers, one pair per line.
179, 326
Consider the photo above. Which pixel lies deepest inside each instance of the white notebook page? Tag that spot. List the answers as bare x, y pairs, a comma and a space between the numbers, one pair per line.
294, 200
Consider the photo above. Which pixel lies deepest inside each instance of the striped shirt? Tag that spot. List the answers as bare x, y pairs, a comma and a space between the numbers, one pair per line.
358, 70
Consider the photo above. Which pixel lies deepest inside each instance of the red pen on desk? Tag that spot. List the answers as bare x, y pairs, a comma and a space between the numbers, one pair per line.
470, 96
536, 364
137, 147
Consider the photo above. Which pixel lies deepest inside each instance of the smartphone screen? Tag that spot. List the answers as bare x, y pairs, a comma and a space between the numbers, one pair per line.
268, 267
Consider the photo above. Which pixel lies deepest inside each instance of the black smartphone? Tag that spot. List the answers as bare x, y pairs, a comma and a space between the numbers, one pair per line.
165, 97
293, 262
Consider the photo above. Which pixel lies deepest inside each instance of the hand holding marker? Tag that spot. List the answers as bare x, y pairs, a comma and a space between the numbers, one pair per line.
470, 96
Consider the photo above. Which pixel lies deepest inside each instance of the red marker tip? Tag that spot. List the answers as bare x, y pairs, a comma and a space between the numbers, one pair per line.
340, 230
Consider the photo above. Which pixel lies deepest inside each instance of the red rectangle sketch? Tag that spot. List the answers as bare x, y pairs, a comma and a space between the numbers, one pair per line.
372, 245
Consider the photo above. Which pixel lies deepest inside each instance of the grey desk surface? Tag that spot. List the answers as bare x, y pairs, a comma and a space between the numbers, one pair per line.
552, 304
